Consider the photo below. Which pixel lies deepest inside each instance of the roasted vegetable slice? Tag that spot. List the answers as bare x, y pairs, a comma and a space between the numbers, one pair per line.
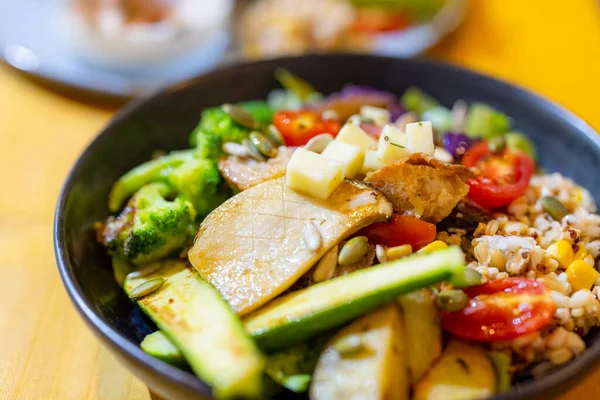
191, 313
158, 345
366, 360
264, 239
307, 312
423, 332
463, 373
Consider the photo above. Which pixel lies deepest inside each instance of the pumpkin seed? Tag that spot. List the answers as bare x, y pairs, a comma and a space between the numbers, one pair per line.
497, 145
349, 345
253, 151
325, 268
263, 144
240, 116
319, 142
554, 207
452, 300
353, 251
275, 136
146, 288
235, 149
311, 237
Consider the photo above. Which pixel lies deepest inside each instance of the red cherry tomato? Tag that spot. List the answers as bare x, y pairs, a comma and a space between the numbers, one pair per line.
501, 310
298, 127
503, 177
375, 20
402, 229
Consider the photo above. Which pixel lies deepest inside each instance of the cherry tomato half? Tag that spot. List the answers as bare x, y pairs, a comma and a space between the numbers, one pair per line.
501, 310
402, 229
298, 127
503, 177
375, 20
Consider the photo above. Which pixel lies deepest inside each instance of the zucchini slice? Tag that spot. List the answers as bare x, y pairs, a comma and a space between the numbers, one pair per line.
305, 313
192, 314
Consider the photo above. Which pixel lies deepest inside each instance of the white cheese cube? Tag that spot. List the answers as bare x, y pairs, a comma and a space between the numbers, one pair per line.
313, 174
349, 155
379, 116
354, 119
352, 134
371, 162
392, 145
420, 137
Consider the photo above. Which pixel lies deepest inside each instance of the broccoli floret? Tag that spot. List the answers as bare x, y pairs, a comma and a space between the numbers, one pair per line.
195, 179
150, 171
151, 226
200, 181
216, 128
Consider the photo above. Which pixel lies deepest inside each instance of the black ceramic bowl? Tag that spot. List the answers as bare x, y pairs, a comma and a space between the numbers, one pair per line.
565, 144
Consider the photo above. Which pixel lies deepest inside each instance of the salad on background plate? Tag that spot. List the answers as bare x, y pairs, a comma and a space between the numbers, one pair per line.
357, 245
271, 28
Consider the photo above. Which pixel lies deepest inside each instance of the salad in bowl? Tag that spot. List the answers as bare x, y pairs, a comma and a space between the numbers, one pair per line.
363, 244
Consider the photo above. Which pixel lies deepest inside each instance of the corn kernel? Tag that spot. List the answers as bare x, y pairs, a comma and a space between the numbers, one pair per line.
581, 275
562, 252
433, 246
581, 253
394, 253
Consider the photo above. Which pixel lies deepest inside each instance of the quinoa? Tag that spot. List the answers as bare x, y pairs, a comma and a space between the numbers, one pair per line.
515, 244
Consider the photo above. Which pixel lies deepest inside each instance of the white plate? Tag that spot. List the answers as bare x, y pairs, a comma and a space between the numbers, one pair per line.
32, 42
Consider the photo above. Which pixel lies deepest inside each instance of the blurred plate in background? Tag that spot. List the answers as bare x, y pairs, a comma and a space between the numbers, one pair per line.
35, 39
109, 60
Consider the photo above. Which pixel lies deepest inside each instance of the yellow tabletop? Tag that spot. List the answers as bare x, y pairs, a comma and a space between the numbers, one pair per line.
46, 352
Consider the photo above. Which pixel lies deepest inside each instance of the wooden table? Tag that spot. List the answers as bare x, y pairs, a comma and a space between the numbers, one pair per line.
46, 352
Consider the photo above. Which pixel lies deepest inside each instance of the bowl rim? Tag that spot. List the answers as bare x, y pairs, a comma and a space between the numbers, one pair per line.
109, 335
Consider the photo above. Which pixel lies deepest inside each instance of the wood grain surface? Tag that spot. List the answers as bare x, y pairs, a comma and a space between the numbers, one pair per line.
550, 46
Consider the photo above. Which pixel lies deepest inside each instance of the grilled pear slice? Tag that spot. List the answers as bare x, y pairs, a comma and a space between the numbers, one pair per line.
258, 243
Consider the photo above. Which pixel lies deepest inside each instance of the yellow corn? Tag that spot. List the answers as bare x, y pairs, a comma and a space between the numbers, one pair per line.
562, 251
581, 253
433, 246
394, 253
581, 275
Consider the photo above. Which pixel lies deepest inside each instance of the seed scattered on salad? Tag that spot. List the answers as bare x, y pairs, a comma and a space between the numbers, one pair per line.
353, 251
451, 300
240, 116
263, 145
554, 207
146, 288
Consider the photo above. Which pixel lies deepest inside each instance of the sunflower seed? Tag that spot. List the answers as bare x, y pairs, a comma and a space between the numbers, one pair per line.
263, 144
325, 268
353, 251
240, 116
235, 149
311, 237
253, 151
380, 253
146, 288
319, 142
